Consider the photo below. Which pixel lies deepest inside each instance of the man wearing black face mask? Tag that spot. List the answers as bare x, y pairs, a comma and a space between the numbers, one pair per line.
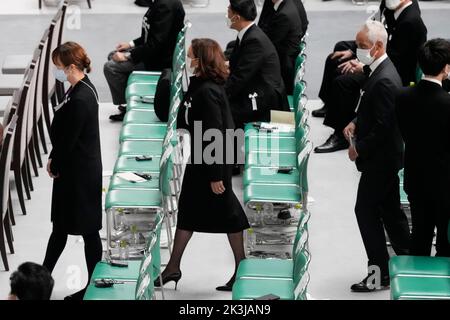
152, 51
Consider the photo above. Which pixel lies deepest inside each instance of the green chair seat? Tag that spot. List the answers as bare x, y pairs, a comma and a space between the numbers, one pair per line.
270, 176
265, 143
118, 183
244, 289
123, 291
135, 103
135, 198
144, 76
265, 268
420, 288
141, 117
143, 132
272, 193
252, 131
419, 266
140, 89
403, 196
129, 163
104, 270
141, 147
291, 102
268, 159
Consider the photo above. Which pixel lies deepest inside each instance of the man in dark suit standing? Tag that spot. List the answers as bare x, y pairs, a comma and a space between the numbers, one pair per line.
268, 10
340, 86
427, 150
377, 148
152, 51
254, 86
284, 29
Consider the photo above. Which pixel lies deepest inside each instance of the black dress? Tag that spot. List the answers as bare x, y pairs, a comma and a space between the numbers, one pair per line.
199, 208
76, 157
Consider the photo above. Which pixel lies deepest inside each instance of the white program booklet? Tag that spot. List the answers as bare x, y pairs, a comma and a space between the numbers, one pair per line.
130, 176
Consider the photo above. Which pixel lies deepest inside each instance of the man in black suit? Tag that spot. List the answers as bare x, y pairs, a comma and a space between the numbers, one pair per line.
268, 10
254, 86
341, 83
377, 148
427, 150
284, 30
152, 51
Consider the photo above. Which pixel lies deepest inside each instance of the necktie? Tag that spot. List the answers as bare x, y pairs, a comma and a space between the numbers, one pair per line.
367, 70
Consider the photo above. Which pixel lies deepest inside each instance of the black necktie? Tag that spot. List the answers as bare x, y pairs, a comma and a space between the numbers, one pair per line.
367, 70
238, 42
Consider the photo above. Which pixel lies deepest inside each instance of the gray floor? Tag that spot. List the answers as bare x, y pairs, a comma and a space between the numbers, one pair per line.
338, 255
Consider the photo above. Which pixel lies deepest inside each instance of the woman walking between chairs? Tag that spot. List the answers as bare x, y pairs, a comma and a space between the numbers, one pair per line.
75, 162
207, 201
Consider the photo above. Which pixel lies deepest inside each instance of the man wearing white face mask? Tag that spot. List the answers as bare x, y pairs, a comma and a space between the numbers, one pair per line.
377, 148
427, 174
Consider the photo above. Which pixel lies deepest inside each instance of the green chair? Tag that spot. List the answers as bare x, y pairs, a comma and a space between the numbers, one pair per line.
141, 147
141, 117
406, 266
130, 164
420, 288
143, 132
136, 103
119, 183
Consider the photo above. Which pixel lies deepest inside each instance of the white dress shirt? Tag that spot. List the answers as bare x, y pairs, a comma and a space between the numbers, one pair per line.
243, 31
377, 62
398, 12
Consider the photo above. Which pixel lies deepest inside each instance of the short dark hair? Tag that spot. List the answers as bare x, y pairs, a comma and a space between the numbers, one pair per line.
434, 56
245, 8
31, 281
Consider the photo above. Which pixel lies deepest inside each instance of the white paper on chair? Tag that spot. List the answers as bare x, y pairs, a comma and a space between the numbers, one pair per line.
130, 176
278, 127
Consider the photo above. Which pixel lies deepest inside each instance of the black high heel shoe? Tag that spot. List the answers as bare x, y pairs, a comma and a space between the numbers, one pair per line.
176, 276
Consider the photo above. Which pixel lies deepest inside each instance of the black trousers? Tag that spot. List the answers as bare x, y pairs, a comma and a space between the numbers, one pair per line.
378, 208
92, 250
427, 213
331, 71
343, 101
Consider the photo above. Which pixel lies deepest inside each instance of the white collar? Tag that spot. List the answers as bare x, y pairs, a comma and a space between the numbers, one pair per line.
398, 12
277, 5
432, 80
377, 62
243, 31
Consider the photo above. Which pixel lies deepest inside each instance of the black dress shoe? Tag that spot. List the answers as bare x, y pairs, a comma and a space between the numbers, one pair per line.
236, 170
77, 295
365, 286
117, 117
142, 3
176, 276
333, 143
122, 108
320, 113
227, 287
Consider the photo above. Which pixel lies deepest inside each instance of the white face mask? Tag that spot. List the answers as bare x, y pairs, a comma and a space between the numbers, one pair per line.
60, 75
448, 75
229, 21
364, 56
189, 67
392, 4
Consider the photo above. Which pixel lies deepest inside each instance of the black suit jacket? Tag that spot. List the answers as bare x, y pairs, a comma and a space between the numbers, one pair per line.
255, 68
160, 27
423, 114
446, 85
378, 140
284, 30
406, 37
267, 11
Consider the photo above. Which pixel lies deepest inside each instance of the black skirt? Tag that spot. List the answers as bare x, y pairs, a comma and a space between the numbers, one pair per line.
201, 210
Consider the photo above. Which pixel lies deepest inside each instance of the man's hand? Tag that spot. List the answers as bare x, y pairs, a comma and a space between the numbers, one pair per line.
351, 67
119, 57
49, 170
123, 46
217, 187
349, 131
352, 153
342, 55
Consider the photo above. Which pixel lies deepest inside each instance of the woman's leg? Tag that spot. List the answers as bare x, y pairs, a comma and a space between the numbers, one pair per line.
182, 238
237, 245
55, 247
93, 251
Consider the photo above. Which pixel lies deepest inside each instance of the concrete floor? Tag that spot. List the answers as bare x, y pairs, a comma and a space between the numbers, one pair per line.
338, 257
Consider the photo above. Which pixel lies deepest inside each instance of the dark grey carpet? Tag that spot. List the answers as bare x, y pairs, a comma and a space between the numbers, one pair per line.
100, 33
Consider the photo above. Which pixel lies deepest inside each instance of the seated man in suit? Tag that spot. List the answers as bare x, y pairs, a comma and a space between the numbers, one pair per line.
254, 86
427, 150
283, 27
377, 148
152, 51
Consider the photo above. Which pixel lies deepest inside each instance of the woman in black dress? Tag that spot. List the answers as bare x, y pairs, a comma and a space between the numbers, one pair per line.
75, 161
207, 201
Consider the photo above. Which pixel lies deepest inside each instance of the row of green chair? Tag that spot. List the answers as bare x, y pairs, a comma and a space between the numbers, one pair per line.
420, 278
134, 282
